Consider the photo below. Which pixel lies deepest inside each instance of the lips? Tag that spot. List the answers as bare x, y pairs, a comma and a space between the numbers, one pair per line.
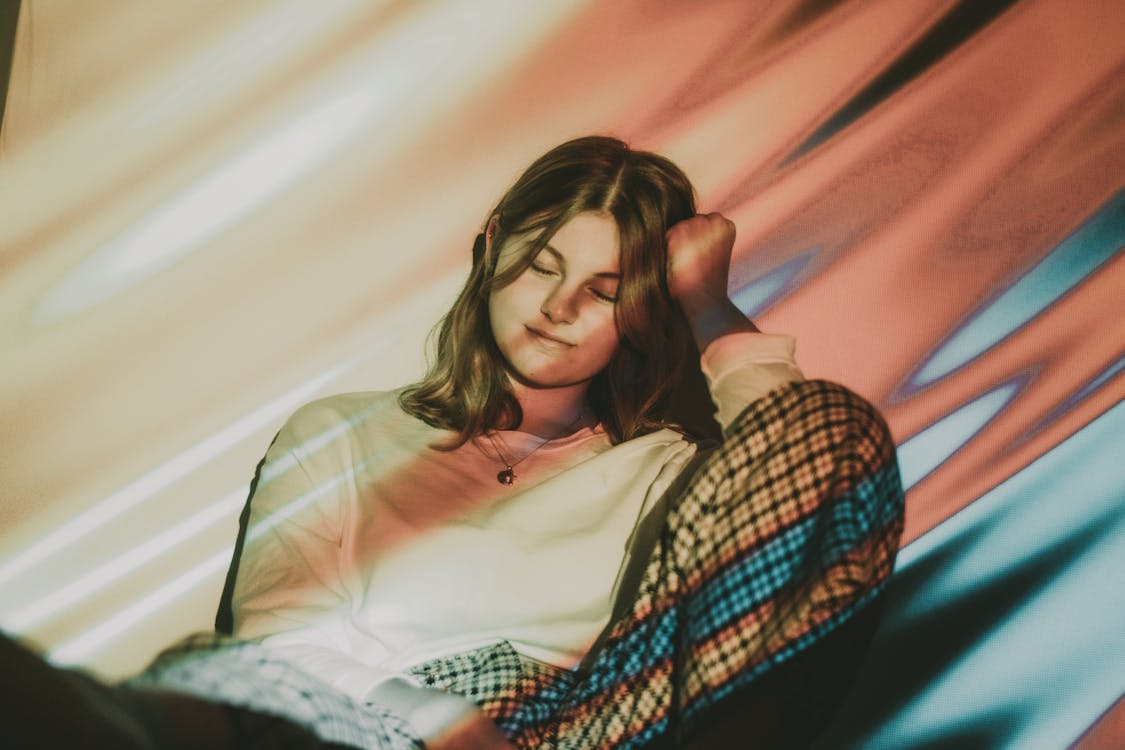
547, 338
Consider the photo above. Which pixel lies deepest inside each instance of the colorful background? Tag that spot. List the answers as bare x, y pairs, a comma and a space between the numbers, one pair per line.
212, 212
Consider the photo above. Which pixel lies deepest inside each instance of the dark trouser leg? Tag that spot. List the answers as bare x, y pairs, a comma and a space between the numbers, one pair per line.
761, 593
46, 707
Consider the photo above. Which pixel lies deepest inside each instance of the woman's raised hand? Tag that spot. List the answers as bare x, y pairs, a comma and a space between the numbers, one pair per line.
699, 252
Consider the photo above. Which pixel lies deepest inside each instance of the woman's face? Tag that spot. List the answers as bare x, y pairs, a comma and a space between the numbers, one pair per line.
555, 322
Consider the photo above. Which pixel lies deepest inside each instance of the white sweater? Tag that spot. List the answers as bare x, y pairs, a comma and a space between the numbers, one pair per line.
369, 552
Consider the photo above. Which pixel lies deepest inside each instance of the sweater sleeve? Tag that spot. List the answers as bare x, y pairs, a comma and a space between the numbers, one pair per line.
290, 592
742, 367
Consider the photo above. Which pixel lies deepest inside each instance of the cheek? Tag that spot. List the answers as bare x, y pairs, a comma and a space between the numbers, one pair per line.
513, 301
503, 307
605, 336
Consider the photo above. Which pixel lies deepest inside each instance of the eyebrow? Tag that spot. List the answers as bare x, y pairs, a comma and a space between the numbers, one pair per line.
562, 261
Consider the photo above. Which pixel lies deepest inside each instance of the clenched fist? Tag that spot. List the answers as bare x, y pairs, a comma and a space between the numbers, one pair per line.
699, 253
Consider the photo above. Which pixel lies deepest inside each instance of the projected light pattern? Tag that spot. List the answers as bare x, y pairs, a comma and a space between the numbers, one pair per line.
117, 626
955, 28
1092, 245
763, 292
145, 488
965, 150
1099, 381
214, 72
1018, 572
79, 649
91, 583
205, 209
926, 451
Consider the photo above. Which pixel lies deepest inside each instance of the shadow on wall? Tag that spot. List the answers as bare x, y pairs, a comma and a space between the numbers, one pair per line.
9, 18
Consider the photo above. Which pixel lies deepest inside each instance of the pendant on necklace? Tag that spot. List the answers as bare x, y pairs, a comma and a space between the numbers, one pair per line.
507, 476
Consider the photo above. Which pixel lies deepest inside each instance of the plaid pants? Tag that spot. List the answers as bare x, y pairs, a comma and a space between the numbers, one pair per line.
763, 584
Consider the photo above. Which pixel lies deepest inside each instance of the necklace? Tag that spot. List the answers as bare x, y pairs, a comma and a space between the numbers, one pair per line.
507, 475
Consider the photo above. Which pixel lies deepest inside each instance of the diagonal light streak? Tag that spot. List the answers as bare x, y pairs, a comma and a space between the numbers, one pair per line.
79, 648
143, 489
205, 209
94, 581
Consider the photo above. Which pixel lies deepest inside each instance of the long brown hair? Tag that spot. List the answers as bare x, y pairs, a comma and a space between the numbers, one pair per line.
466, 388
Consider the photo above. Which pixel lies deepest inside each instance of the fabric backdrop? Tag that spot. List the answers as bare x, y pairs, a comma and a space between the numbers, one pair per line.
211, 212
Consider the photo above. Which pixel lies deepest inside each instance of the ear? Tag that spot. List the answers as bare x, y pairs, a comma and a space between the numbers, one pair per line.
490, 231
482, 245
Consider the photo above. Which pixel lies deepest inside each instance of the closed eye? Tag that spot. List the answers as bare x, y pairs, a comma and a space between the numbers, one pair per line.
543, 270
603, 296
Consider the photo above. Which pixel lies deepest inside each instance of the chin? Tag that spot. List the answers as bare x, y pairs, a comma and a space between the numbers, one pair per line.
546, 379
546, 382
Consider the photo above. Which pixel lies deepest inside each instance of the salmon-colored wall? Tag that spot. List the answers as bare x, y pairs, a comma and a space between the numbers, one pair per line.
213, 212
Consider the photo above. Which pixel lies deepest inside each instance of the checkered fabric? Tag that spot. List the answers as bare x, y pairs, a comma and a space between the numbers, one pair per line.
513, 690
783, 536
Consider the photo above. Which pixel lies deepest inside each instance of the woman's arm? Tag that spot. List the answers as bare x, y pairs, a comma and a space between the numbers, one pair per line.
741, 364
699, 254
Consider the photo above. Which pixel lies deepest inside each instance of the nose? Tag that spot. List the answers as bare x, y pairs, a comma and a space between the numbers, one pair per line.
560, 306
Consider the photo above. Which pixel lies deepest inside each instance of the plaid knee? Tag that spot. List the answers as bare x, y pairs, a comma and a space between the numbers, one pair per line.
792, 527
782, 535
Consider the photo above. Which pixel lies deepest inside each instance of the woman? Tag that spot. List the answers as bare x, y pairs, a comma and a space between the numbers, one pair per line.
528, 547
